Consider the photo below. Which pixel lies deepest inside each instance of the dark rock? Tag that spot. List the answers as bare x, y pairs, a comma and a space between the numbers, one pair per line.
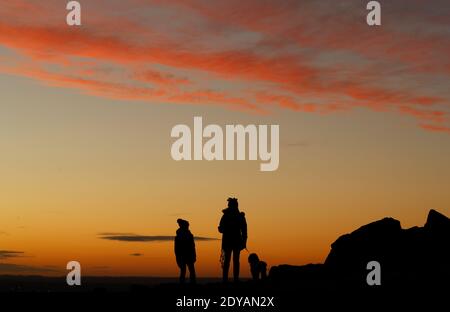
415, 255
285, 272
418, 252
379, 241
437, 222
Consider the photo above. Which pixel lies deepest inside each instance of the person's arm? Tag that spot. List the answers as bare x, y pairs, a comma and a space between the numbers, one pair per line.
194, 254
177, 250
244, 231
221, 225
175, 245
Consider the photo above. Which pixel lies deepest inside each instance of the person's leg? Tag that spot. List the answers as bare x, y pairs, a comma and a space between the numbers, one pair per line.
182, 273
226, 264
236, 254
192, 273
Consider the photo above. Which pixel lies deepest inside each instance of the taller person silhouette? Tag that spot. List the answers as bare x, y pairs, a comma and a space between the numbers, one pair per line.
233, 227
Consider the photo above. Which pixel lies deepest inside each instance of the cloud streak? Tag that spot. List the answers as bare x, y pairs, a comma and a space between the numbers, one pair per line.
127, 237
7, 254
11, 268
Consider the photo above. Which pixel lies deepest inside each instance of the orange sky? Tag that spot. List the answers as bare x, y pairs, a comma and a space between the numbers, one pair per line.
86, 114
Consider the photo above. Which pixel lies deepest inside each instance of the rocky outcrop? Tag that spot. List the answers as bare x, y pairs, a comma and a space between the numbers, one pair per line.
417, 250
417, 253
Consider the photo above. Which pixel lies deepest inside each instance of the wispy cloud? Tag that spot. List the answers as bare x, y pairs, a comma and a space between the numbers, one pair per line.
303, 56
113, 234
11, 268
296, 144
6, 254
127, 237
101, 267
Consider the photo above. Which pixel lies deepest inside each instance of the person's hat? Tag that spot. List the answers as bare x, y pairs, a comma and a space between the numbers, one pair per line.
182, 222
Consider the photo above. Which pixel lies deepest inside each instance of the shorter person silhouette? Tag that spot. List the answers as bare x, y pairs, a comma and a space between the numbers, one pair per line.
258, 268
185, 251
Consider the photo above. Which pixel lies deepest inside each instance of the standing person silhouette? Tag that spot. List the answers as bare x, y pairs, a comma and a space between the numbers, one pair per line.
233, 227
185, 251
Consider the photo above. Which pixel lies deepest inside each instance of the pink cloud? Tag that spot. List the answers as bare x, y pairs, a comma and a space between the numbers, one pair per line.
290, 65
